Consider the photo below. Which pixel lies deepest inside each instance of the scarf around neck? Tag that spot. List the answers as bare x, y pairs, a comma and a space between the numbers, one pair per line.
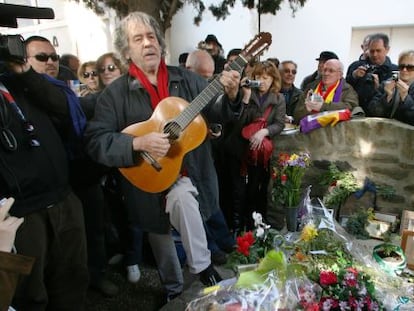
332, 94
156, 93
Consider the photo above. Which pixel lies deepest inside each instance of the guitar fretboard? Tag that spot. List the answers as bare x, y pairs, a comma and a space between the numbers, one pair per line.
202, 100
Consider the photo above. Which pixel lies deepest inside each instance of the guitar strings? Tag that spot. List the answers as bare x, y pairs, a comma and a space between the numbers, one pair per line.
190, 112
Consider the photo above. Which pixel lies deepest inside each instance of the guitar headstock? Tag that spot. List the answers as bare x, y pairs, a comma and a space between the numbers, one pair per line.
257, 45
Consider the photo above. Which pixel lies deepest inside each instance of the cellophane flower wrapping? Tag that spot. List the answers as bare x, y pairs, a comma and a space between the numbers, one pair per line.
321, 267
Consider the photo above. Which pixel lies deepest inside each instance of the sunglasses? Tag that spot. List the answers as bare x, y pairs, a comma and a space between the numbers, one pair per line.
110, 68
406, 66
87, 74
43, 57
293, 71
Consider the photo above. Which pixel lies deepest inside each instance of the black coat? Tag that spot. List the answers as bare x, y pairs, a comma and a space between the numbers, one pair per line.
35, 176
365, 86
125, 102
404, 110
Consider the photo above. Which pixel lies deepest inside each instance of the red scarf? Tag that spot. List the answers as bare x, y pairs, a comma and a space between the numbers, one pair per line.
156, 93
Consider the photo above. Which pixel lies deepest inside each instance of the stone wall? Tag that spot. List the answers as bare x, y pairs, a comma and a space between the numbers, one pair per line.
380, 149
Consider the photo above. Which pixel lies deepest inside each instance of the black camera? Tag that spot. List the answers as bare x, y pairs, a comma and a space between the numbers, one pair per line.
370, 70
395, 75
12, 48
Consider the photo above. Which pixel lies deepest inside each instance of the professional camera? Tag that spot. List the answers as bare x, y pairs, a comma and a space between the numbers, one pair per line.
12, 48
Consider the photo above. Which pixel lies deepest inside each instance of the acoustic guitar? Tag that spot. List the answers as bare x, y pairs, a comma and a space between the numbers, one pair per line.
185, 126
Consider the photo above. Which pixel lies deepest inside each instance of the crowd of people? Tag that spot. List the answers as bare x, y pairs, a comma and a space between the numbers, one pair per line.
62, 150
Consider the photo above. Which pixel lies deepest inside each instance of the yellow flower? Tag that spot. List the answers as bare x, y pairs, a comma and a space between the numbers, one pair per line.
309, 232
293, 157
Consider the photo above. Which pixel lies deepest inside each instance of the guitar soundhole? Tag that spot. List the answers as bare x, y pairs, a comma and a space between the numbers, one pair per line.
173, 129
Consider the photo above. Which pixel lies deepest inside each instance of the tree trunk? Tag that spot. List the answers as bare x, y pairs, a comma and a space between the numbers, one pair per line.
151, 7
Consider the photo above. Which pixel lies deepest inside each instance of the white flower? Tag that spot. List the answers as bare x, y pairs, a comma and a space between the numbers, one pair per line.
259, 232
258, 219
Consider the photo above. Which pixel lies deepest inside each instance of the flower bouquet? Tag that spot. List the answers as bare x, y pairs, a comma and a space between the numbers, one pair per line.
287, 177
345, 289
253, 245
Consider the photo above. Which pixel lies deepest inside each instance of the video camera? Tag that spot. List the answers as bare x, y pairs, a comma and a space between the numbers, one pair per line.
12, 46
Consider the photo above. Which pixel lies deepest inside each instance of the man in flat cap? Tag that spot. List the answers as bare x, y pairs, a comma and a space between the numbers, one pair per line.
315, 77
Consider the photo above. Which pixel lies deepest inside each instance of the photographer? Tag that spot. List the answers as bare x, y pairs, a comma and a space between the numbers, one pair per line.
366, 75
34, 116
395, 97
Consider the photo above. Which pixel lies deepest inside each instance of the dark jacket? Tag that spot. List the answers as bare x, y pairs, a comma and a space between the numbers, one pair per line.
35, 176
348, 99
296, 98
276, 119
12, 266
309, 79
365, 86
237, 146
403, 111
125, 102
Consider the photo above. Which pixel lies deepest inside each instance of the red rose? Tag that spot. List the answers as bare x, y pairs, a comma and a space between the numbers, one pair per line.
327, 278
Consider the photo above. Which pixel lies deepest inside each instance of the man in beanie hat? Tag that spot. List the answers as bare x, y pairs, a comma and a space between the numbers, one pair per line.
315, 77
213, 46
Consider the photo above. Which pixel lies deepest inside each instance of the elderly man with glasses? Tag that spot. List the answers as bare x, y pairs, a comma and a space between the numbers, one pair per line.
331, 93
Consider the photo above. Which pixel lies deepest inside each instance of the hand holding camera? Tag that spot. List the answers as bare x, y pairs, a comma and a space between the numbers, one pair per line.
313, 102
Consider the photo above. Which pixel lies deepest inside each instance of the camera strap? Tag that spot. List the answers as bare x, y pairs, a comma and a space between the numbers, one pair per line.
395, 102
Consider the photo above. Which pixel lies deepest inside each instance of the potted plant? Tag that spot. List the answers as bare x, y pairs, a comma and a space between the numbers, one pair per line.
390, 257
287, 175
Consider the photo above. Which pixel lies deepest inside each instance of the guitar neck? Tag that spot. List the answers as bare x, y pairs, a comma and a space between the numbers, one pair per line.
202, 100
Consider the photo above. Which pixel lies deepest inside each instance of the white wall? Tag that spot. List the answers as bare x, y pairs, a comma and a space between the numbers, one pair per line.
336, 25
76, 29
320, 25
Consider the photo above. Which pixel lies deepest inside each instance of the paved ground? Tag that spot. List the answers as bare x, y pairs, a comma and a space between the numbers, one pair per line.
147, 294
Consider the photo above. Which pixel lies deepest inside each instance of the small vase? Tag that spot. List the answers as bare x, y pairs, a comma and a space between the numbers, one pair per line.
291, 218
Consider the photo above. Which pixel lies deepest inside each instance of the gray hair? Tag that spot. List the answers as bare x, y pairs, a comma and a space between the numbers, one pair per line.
121, 32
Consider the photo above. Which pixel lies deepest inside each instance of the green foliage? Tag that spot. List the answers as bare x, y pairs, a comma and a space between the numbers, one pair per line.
357, 222
342, 185
385, 191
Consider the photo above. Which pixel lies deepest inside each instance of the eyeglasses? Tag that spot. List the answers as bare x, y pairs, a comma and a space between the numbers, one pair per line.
293, 71
406, 66
43, 57
88, 74
330, 70
110, 68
